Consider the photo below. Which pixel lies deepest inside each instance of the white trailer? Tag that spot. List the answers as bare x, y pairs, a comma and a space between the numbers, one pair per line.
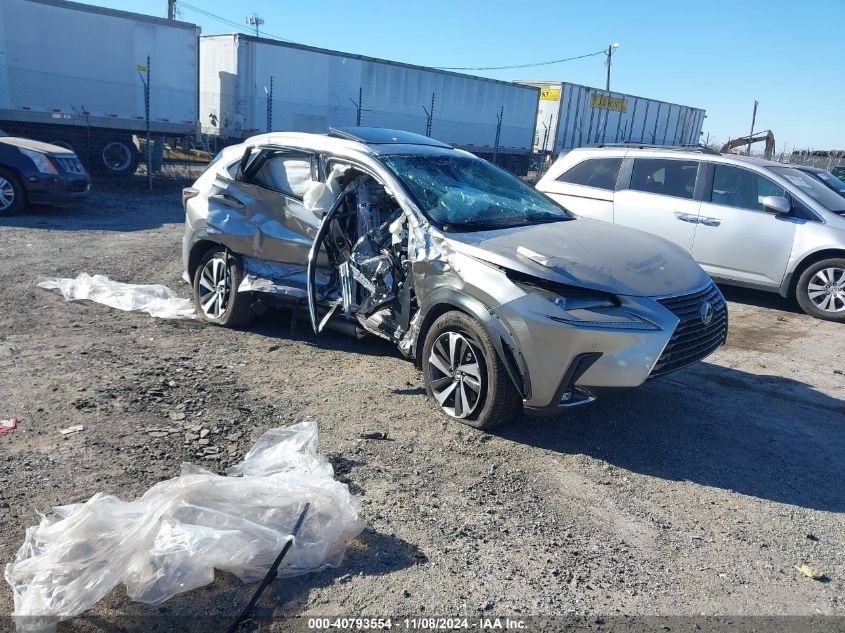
73, 74
250, 85
570, 115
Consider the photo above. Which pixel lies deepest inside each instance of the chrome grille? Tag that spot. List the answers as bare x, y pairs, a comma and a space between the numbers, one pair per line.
71, 165
692, 340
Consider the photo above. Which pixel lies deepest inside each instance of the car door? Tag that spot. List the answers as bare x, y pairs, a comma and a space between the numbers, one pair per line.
586, 188
659, 198
736, 239
263, 204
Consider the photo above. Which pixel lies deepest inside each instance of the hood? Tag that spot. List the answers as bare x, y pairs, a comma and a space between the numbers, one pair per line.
589, 254
36, 146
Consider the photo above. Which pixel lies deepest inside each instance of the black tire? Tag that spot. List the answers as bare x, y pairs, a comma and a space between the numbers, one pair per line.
10, 185
236, 309
819, 288
116, 156
497, 402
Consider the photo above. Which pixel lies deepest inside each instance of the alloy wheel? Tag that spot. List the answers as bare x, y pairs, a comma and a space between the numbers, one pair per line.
215, 286
827, 289
7, 194
455, 374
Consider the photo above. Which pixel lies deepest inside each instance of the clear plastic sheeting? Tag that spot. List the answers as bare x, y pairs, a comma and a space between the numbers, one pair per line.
156, 300
172, 538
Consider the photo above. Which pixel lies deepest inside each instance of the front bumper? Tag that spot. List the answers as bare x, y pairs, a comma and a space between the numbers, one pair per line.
566, 363
56, 189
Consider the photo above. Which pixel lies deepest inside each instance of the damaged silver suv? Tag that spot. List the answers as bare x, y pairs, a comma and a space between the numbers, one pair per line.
503, 298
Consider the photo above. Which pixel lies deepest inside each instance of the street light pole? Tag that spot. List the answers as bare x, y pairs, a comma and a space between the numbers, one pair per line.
610, 49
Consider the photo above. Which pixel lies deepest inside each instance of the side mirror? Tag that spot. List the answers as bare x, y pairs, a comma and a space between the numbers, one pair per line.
776, 204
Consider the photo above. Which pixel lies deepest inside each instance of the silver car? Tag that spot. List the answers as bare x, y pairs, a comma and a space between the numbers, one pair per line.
501, 297
747, 221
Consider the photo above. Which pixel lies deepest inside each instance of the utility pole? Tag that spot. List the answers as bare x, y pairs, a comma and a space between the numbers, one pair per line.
753, 120
610, 49
256, 21
171, 9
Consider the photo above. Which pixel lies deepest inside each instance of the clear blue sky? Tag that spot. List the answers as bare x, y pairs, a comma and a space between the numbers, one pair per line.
719, 55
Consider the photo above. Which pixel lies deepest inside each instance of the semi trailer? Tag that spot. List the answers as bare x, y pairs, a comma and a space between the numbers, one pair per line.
74, 75
570, 115
250, 85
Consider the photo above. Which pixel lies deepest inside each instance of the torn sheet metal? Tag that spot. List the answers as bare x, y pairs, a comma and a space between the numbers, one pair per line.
275, 278
172, 538
156, 300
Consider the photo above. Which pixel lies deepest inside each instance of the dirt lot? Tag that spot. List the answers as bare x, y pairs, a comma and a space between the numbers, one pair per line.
695, 494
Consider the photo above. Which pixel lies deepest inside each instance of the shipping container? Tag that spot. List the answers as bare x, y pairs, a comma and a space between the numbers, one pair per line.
250, 85
571, 116
73, 74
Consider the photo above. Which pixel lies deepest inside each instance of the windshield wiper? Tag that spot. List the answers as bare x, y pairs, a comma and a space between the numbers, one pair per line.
544, 218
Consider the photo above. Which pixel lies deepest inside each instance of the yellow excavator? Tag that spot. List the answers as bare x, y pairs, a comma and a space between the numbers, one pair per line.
758, 137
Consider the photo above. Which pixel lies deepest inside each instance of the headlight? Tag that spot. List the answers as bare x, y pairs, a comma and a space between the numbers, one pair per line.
42, 162
590, 310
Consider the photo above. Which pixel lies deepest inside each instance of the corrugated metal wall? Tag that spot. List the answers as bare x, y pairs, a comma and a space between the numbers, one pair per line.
314, 89
576, 119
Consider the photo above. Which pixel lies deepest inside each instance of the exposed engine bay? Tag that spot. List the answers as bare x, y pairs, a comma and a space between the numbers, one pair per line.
364, 235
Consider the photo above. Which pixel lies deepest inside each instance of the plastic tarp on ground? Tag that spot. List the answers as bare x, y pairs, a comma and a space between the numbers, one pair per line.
172, 538
156, 300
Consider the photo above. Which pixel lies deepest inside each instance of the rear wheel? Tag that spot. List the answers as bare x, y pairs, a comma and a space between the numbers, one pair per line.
821, 290
12, 194
464, 375
117, 156
216, 295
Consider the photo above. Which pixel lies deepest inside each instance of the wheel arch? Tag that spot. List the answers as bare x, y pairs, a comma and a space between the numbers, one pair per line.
15, 173
445, 300
198, 250
790, 283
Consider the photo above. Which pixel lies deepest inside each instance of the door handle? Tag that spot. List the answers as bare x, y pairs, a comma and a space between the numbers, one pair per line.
686, 217
710, 221
229, 201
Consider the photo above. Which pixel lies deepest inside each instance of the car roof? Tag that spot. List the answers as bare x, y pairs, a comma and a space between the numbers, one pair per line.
356, 140
808, 168
672, 151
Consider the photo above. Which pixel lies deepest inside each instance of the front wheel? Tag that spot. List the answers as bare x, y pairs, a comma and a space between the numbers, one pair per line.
821, 290
12, 194
464, 375
216, 295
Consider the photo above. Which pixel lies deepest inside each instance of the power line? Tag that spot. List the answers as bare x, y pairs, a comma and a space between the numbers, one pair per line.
554, 61
237, 25
282, 39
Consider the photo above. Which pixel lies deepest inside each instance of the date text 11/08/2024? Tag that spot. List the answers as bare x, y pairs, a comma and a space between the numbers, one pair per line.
415, 624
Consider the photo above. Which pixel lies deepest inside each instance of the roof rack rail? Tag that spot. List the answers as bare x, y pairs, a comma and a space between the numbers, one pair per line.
680, 148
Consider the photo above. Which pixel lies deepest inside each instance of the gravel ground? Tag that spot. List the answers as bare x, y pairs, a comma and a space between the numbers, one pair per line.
695, 494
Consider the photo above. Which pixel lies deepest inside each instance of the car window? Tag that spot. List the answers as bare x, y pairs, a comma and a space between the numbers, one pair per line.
831, 181
467, 192
289, 174
664, 176
600, 173
812, 187
741, 188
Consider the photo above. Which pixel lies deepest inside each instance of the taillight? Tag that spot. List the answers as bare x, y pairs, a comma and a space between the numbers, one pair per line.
187, 194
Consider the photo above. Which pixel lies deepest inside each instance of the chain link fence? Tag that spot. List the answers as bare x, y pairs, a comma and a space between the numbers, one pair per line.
122, 129
830, 160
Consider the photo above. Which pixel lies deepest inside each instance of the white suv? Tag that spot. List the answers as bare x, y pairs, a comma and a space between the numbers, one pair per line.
748, 222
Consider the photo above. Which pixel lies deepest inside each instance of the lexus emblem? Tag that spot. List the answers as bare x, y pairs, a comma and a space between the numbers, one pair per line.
706, 313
